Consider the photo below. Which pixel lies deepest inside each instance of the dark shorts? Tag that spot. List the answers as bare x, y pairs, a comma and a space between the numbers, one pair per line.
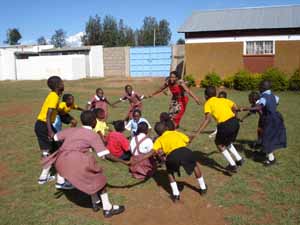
66, 119
181, 157
41, 132
227, 132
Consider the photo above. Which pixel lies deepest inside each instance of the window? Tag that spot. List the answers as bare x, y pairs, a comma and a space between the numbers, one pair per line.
259, 48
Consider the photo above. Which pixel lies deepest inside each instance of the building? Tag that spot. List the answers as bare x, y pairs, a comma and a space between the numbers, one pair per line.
226, 41
36, 62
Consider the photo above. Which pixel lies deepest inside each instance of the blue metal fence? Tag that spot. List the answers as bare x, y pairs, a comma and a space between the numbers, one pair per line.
150, 61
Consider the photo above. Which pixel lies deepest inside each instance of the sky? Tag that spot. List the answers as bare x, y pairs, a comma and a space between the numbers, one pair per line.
35, 18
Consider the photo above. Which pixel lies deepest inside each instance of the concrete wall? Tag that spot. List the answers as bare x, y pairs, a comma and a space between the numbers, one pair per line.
7, 64
287, 55
96, 62
116, 61
68, 67
222, 58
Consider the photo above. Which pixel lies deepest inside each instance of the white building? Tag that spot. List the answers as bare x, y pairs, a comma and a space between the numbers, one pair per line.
36, 62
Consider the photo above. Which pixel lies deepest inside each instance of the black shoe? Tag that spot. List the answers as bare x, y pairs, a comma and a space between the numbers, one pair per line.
112, 212
203, 191
240, 162
232, 169
175, 198
269, 163
97, 206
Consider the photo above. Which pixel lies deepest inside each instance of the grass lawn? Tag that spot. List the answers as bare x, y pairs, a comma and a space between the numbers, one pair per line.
255, 195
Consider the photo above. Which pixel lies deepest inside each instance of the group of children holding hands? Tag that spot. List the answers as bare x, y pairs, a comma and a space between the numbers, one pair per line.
69, 150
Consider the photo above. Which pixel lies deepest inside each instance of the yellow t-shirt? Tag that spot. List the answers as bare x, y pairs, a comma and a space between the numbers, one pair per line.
64, 109
101, 126
170, 141
219, 108
51, 102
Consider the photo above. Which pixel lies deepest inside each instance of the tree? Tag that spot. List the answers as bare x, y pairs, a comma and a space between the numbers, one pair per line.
13, 36
122, 34
163, 34
41, 41
110, 32
146, 33
180, 41
58, 39
93, 32
130, 37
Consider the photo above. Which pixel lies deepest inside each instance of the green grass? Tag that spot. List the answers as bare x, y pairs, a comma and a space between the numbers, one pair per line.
258, 191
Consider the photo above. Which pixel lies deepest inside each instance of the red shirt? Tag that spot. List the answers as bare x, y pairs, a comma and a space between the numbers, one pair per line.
117, 143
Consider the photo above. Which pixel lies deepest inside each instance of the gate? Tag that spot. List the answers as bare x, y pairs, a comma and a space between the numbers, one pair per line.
150, 61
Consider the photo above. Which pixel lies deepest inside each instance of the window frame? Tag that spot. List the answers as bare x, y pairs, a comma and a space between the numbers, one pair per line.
255, 41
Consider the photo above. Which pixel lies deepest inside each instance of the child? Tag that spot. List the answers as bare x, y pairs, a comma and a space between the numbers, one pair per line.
223, 111
173, 145
274, 132
134, 99
117, 143
132, 125
44, 129
222, 94
99, 101
101, 127
63, 110
75, 163
140, 145
165, 118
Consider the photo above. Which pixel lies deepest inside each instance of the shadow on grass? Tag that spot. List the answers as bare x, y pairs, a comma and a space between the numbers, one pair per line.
250, 152
76, 196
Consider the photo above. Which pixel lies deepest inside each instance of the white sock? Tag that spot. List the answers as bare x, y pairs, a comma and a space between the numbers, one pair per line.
105, 201
45, 173
60, 179
232, 149
271, 156
174, 188
228, 157
201, 183
95, 198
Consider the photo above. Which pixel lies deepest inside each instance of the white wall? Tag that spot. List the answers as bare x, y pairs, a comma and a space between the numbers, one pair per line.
68, 67
7, 64
96, 61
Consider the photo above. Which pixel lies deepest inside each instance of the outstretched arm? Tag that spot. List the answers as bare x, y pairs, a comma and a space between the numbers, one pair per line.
115, 159
202, 126
158, 91
145, 156
108, 102
190, 93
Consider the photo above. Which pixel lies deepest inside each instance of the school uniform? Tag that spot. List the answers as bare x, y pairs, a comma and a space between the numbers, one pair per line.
101, 126
134, 101
40, 128
228, 126
74, 161
99, 103
118, 145
173, 144
132, 125
64, 116
274, 132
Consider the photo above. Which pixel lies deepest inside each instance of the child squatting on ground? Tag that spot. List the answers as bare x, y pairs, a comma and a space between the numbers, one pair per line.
74, 161
173, 145
223, 111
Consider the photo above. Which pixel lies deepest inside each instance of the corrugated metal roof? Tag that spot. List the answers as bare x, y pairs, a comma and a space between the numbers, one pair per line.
242, 19
67, 49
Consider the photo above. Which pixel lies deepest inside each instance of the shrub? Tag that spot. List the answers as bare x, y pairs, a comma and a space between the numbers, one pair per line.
244, 80
278, 78
211, 79
228, 82
190, 80
256, 79
294, 82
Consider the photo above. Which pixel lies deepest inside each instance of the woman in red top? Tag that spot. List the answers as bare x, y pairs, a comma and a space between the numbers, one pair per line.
180, 97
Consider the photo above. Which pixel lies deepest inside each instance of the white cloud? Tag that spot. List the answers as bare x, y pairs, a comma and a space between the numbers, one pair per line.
75, 40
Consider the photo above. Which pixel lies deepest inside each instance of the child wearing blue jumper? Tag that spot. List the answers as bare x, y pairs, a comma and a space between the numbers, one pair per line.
274, 132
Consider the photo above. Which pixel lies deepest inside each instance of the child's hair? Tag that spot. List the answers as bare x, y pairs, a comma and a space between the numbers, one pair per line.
137, 111
265, 85
127, 86
100, 113
164, 116
160, 128
210, 91
222, 94
53, 82
98, 89
253, 96
170, 124
87, 118
66, 96
119, 125
176, 74
142, 128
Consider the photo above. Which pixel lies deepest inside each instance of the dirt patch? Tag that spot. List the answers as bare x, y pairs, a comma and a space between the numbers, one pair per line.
12, 110
4, 173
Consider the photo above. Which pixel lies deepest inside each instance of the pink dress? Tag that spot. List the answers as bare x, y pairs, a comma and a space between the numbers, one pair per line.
74, 161
135, 102
97, 103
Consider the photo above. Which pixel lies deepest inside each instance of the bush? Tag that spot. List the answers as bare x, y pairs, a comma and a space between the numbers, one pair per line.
294, 82
244, 80
228, 82
278, 78
211, 79
190, 80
